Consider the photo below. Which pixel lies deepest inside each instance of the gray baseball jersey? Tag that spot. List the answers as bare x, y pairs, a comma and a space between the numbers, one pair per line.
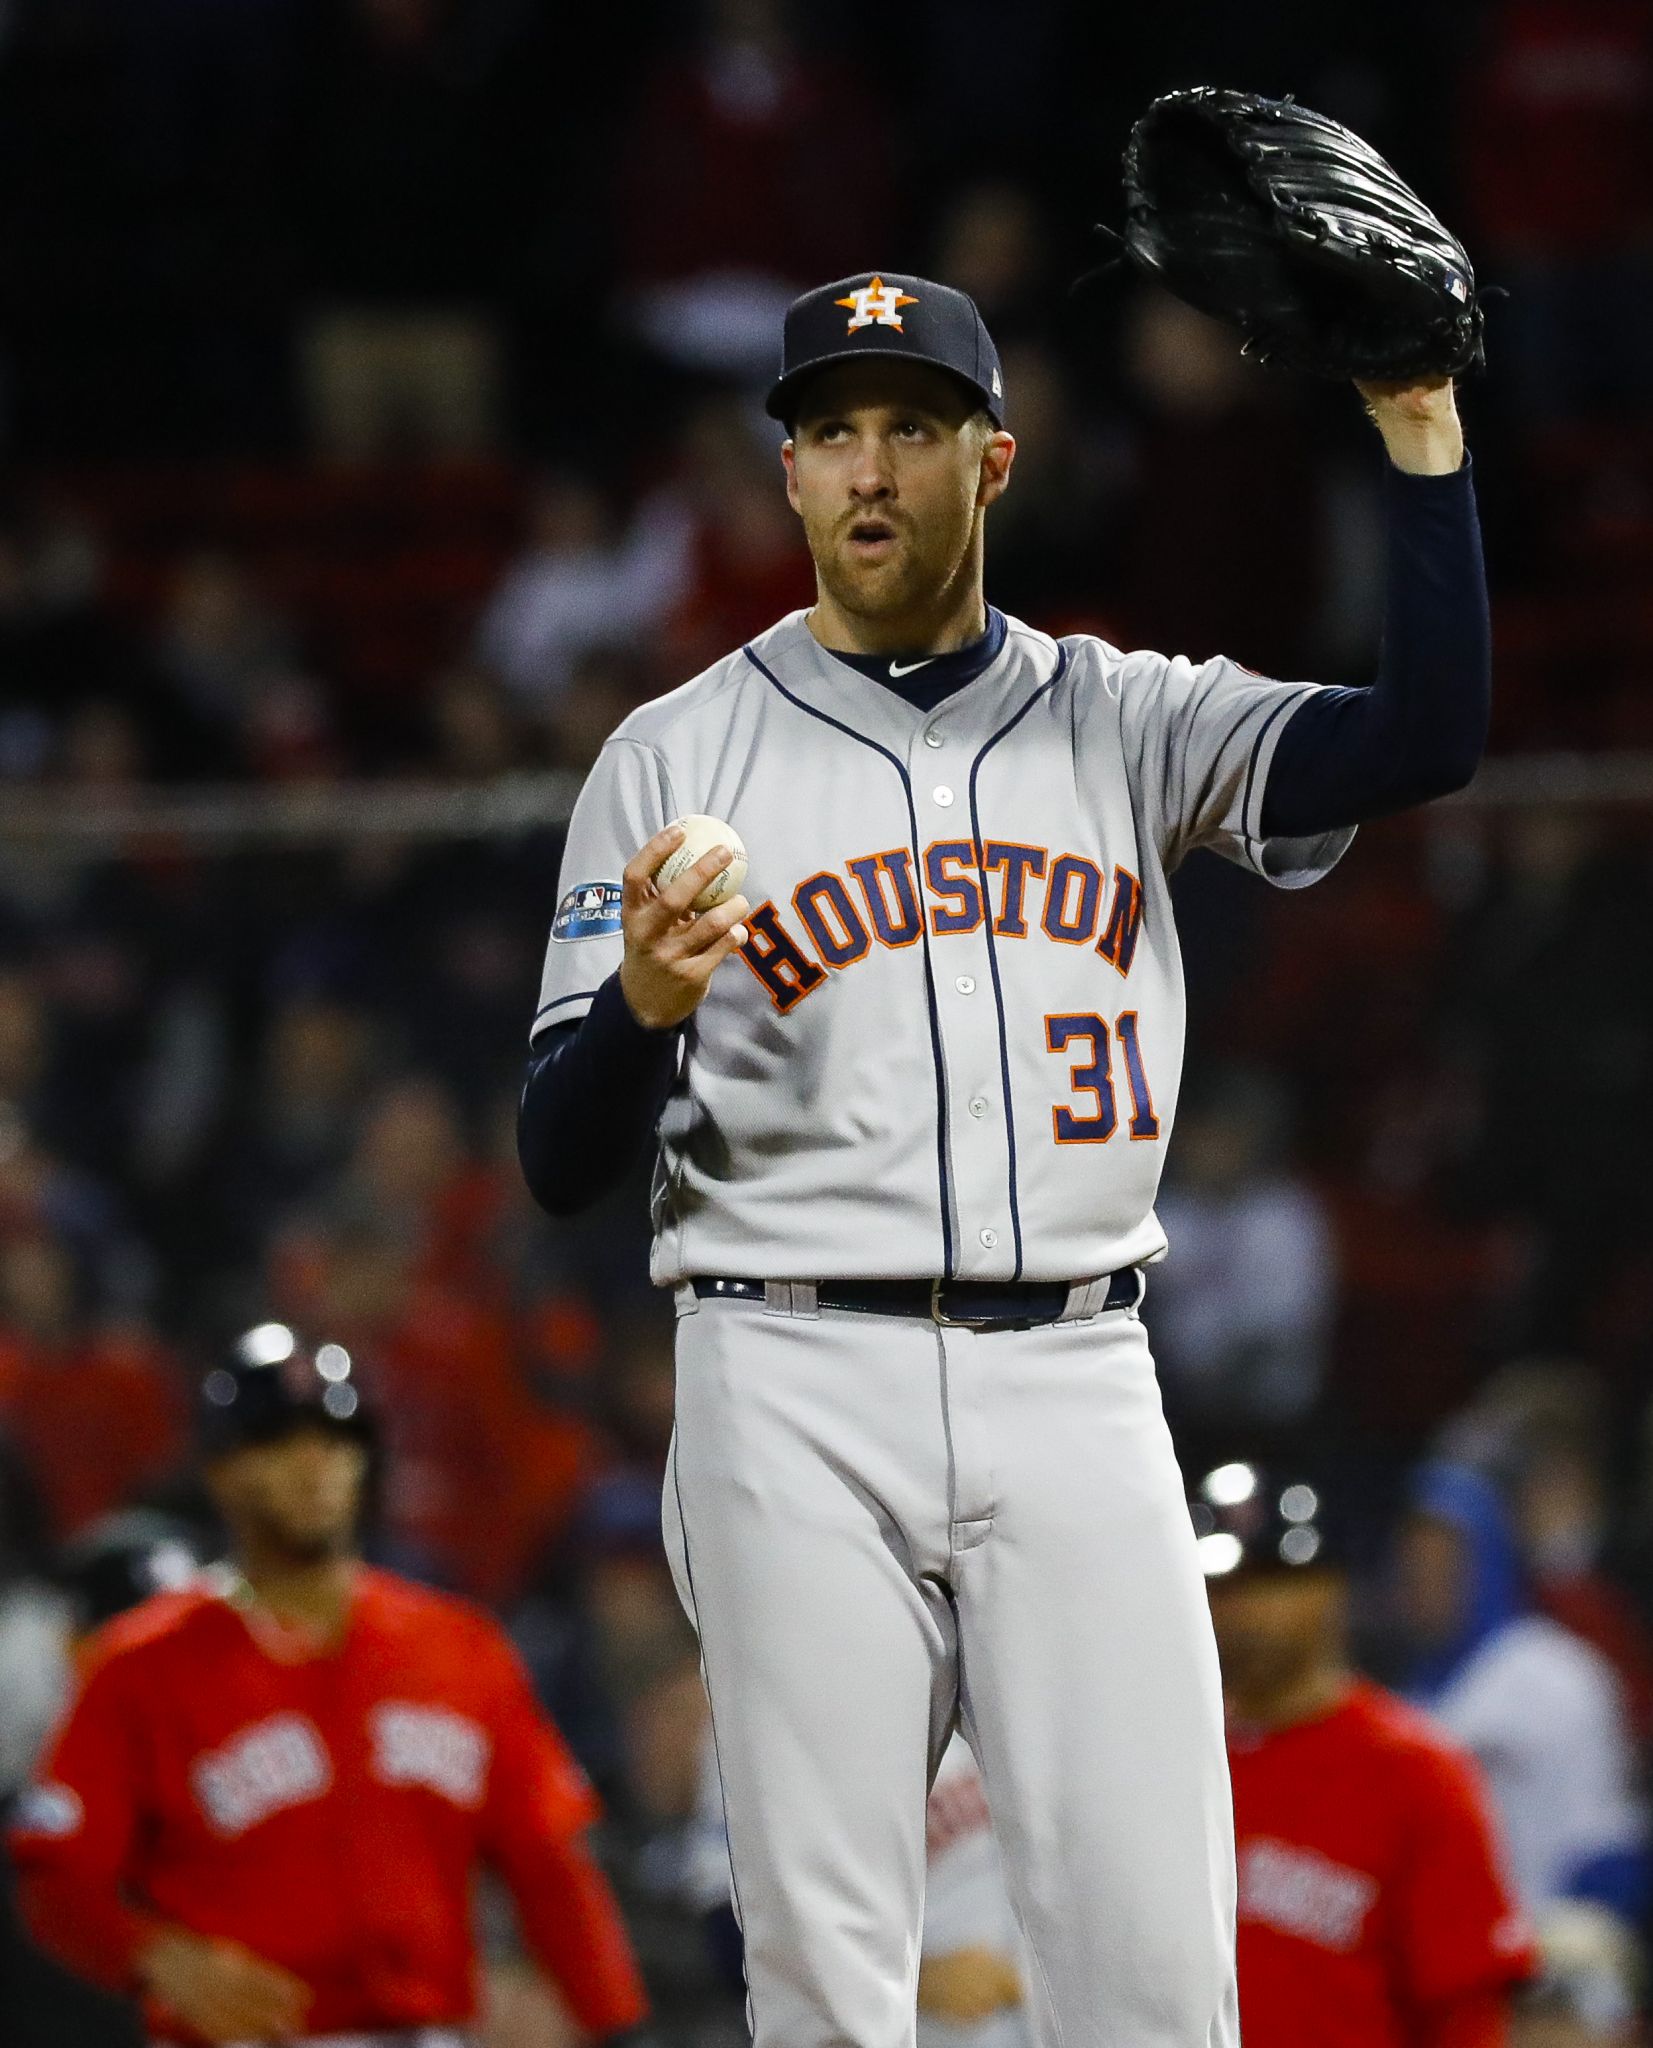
949, 1047
951, 1044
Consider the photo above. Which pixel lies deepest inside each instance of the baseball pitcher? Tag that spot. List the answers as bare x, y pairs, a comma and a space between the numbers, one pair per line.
911, 1092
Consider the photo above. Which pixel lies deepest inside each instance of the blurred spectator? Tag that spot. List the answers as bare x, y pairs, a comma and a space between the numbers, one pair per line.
781, 193
95, 1408
1541, 1710
748, 564
216, 641
992, 243
1555, 901
61, 649
41, 2006
460, 1419
1539, 1430
1048, 533
97, 1268
583, 577
1558, 139
122, 1559
34, 1624
1219, 546
610, 1644
290, 1130
414, 197
476, 737
404, 385
1241, 1310
605, 685
23, 1043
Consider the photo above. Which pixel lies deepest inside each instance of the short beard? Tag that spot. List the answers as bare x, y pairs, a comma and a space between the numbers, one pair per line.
922, 586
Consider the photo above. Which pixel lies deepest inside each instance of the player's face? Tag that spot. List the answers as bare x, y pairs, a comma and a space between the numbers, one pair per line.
299, 1497
890, 471
1275, 1628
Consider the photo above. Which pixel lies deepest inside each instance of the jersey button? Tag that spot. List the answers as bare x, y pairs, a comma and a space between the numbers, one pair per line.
933, 738
989, 1238
979, 1105
943, 795
966, 984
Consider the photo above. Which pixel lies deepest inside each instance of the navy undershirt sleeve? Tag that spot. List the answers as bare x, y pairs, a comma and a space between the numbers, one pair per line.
593, 1095
1419, 731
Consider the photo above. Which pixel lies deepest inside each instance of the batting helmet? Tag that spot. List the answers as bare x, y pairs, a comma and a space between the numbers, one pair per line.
271, 1384
1247, 1517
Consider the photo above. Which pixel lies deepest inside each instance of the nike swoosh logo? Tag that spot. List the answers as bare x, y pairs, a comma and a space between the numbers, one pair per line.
905, 668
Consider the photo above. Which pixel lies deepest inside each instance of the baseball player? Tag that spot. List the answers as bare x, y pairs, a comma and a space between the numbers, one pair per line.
911, 1094
1374, 1907
266, 1807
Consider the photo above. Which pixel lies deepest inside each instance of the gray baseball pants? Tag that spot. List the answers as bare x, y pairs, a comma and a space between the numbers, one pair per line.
877, 1523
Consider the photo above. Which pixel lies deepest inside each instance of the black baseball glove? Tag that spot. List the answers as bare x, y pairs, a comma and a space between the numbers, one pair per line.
1287, 224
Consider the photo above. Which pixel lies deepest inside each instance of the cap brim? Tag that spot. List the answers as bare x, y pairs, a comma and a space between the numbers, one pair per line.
782, 402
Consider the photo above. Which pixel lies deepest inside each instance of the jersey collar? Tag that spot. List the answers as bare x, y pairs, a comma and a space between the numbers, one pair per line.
926, 680
838, 690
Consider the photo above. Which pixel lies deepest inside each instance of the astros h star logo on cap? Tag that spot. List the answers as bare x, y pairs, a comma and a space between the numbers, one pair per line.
875, 304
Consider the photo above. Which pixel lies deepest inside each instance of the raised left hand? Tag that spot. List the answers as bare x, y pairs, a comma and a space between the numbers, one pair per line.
1418, 420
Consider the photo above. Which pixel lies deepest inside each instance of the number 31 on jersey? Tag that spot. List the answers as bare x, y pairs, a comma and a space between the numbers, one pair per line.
1092, 1074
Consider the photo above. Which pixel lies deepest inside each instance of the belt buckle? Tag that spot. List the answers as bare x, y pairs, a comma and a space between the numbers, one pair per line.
938, 1314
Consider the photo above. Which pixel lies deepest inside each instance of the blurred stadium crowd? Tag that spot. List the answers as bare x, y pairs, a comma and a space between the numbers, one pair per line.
377, 397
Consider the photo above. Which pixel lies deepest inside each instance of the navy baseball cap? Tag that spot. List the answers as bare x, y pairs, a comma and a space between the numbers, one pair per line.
877, 313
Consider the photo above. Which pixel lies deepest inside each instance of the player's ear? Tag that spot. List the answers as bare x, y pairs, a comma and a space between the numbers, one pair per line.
789, 462
998, 452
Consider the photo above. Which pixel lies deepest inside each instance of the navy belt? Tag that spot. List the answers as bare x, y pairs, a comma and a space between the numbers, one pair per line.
971, 1304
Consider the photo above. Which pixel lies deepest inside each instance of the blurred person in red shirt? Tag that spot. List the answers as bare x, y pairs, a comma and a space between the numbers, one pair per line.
267, 1806
96, 1410
462, 1422
1373, 1908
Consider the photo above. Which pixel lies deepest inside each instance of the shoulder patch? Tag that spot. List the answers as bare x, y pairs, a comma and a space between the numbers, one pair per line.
590, 911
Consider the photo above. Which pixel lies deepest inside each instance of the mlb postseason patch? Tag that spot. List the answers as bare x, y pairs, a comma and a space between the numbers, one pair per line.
592, 911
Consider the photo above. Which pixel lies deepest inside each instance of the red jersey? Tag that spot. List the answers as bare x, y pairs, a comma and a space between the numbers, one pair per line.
327, 1810
1370, 1886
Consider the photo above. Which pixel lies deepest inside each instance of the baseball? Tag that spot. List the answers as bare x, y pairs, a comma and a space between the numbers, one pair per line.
700, 835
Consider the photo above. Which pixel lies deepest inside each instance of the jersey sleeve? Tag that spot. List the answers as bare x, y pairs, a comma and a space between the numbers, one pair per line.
72, 1834
1457, 1926
1200, 740
626, 799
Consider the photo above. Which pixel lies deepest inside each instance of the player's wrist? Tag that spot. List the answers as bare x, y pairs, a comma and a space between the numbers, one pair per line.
1425, 451
1421, 431
647, 1009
